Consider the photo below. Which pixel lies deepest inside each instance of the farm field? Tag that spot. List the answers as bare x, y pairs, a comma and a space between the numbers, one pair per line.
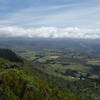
70, 66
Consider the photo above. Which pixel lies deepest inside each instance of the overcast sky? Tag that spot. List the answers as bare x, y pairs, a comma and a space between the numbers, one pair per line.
50, 18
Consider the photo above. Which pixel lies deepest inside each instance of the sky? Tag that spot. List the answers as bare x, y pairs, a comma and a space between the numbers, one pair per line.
50, 18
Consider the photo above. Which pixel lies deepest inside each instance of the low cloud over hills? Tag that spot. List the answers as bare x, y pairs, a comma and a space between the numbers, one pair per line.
49, 32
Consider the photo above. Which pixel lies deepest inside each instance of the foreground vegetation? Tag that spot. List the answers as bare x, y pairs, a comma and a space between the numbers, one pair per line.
17, 84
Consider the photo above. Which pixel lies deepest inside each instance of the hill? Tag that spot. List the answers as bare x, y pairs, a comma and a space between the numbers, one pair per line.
66, 45
10, 55
18, 84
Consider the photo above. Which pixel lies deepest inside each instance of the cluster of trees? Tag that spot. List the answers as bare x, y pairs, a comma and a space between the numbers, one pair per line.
10, 55
70, 72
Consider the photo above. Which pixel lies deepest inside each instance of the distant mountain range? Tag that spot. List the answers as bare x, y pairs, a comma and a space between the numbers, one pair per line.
77, 45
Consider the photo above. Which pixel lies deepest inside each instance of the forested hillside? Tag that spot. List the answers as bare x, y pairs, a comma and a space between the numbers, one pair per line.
16, 83
10, 55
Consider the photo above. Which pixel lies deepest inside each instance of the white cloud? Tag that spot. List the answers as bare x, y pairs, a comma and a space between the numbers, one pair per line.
5, 21
49, 32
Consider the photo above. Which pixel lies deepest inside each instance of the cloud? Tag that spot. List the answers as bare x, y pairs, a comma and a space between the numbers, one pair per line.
49, 32
57, 15
5, 21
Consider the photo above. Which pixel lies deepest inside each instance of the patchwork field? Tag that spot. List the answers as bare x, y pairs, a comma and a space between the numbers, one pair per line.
65, 65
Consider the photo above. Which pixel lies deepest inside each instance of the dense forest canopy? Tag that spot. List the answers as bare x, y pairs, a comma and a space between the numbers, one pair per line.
10, 55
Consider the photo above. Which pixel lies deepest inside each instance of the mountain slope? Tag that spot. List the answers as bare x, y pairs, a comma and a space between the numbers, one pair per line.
18, 84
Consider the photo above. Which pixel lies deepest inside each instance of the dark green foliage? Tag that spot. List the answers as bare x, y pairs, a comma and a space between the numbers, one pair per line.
70, 72
10, 55
18, 85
